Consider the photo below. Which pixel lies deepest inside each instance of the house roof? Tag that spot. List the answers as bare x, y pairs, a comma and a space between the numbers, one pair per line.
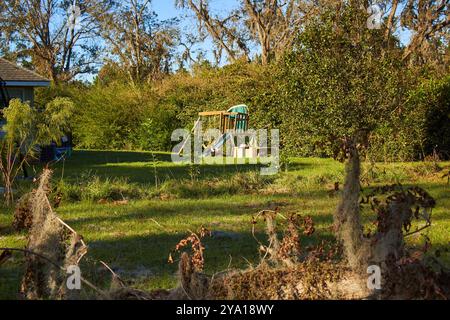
13, 75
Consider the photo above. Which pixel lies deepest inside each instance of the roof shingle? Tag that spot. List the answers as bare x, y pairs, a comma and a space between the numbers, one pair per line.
11, 72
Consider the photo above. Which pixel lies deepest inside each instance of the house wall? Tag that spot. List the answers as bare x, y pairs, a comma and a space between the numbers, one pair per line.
26, 94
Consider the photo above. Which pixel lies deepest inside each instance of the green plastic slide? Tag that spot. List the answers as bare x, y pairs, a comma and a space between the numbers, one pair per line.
242, 108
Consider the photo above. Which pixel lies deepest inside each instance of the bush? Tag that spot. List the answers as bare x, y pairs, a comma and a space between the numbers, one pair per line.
332, 84
418, 128
108, 117
118, 116
207, 89
429, 110
155, 131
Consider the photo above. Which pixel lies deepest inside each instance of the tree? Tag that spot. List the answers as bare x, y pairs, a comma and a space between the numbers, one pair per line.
142, 44
271, 24
26, 128
429, 21
338, 83
225, 32
57, 40
274, 24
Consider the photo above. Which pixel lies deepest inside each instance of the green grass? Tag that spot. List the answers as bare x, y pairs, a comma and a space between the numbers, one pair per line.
136, 238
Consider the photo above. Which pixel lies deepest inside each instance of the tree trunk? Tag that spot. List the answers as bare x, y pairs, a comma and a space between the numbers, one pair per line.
347, 222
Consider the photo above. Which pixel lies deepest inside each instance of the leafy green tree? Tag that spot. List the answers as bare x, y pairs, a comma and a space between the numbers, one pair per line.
339, 83
26, 128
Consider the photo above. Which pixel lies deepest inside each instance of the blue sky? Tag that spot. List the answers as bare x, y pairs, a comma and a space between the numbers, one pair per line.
166, 8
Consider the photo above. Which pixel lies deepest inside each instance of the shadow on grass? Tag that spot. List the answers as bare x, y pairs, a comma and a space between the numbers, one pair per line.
128, 256
189, 211
152, 252
10, 279
7, 230
140, 167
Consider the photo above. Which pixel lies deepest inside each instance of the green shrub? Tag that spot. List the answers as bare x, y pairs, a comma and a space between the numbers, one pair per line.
154, 132
332, 84
429, 114
383, 174
295, 183
70, 192
419, 128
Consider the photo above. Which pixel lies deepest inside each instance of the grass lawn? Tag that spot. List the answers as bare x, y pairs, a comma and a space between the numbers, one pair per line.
136, 238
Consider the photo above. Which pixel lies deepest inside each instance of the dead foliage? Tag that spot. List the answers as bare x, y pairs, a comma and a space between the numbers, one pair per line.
292, 273
407, 273
286, 270
195, 241
193, 284
52, 246
286, 251
309, 280
413, 277
23, 216
396, 207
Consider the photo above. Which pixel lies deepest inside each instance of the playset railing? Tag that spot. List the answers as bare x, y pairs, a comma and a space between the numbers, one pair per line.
228, 121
